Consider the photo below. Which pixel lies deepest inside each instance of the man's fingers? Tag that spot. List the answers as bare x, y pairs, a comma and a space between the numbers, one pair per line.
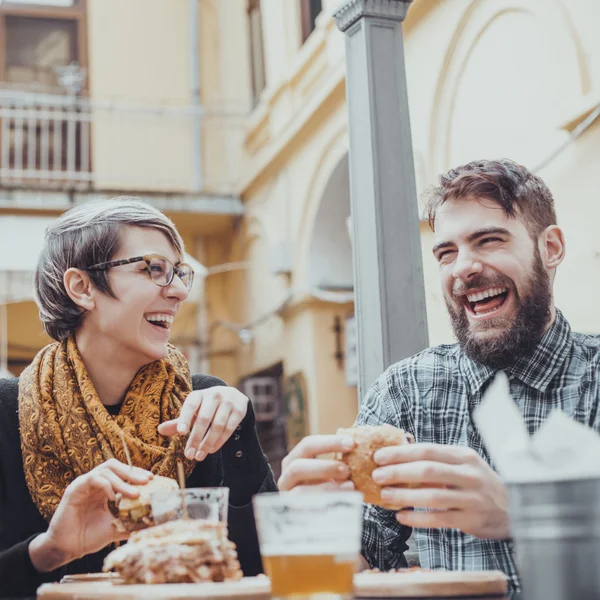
217, 426
316, 445
451, 519
329, 486
427, 473
208, 408
456, 455
441, 499
305, 471
169, 428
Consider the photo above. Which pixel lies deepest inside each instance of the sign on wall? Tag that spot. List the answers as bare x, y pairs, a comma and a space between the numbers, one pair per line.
296, 409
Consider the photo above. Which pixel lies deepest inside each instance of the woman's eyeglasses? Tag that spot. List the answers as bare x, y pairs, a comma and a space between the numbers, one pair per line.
160, 269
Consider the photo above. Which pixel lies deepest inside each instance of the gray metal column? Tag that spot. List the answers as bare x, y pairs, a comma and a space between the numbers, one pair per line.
388, 272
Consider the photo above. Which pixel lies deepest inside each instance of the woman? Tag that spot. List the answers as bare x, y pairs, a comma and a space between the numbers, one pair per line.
109, 284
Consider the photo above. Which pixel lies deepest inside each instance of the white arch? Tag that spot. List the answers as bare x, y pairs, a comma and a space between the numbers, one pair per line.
333, 153
475, 22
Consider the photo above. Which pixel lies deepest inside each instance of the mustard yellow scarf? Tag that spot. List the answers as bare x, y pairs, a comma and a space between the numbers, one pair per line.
66, 430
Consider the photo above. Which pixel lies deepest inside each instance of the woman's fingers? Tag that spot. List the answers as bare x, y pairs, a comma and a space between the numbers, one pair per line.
232, 424
210, 403
169, 428
134, 475
215, 430
118, 485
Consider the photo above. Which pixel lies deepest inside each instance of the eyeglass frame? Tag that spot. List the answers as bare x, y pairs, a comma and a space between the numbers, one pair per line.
146, 258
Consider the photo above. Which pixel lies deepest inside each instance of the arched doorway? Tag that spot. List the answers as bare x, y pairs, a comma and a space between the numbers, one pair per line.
330, 249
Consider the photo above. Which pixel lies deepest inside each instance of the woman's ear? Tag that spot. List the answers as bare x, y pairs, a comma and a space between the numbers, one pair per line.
80, 288
552, 243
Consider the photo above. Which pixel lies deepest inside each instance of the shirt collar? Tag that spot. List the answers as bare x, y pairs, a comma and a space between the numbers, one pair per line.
535, 369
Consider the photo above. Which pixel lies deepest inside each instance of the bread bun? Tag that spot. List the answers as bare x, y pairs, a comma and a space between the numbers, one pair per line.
368, 440
136, 513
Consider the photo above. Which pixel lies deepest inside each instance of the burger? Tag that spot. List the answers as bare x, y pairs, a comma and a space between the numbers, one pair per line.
181, 551
136, 513
368, 439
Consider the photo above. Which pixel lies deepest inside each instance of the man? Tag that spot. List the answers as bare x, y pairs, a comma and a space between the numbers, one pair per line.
498, 247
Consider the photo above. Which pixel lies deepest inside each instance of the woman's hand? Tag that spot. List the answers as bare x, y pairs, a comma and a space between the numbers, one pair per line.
83, 523
211, 416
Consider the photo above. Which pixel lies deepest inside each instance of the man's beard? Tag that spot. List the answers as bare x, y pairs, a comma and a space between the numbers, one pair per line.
532, 315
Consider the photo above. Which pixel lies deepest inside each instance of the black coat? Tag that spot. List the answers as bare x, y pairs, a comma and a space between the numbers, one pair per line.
240, 465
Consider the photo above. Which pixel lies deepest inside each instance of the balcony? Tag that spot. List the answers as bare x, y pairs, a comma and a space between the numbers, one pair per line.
55, 142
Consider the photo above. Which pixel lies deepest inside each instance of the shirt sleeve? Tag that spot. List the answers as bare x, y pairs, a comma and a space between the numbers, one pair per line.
18, 576
384, 538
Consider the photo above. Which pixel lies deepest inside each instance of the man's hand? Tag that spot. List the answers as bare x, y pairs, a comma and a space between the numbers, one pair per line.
301, 468
211, 415
462, 490
83, 523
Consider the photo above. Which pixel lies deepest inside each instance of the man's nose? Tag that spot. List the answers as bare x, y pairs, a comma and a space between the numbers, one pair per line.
466, 266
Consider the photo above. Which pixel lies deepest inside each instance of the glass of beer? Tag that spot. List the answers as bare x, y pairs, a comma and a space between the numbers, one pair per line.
309, 541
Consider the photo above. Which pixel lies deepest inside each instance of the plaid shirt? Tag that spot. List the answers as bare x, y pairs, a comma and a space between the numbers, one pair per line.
432, 395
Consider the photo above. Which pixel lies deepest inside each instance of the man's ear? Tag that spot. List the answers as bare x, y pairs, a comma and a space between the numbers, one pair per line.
552, 246
80, 288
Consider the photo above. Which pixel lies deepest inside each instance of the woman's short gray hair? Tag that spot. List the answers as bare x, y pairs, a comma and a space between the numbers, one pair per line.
82, 237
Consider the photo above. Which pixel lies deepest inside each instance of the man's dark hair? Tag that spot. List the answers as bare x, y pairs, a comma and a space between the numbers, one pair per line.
516, 189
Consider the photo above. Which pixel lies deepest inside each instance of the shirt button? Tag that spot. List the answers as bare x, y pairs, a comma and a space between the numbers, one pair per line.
236, 437
238, 428
239, 454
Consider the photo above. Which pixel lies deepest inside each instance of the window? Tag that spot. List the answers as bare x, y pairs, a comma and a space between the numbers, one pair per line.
34, 47
42, 45
257, 57
265, 392
309, 11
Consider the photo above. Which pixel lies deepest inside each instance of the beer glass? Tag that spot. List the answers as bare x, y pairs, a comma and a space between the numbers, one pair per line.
309, 541
209, 504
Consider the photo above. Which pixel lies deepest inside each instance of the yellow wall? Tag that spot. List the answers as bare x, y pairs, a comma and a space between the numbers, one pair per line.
487, 78
25, 333
139, 59
139, 54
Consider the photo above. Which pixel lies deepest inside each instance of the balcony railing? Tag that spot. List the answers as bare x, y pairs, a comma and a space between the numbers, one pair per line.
44, 139
63, 142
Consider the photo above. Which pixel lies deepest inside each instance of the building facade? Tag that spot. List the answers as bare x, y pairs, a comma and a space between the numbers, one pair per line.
231, 116
103, 98
486, 79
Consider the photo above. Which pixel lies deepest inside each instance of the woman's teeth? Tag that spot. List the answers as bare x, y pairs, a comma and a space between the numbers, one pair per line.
164, 321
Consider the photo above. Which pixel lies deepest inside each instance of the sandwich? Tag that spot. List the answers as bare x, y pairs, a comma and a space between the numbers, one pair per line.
181, 551
136, 513
368, 440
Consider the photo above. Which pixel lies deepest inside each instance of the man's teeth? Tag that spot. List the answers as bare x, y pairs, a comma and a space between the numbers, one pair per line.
168, 319
486, 294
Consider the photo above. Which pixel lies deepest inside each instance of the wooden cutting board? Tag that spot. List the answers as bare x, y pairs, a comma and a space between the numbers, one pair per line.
420, 584
408, 584
249, 588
